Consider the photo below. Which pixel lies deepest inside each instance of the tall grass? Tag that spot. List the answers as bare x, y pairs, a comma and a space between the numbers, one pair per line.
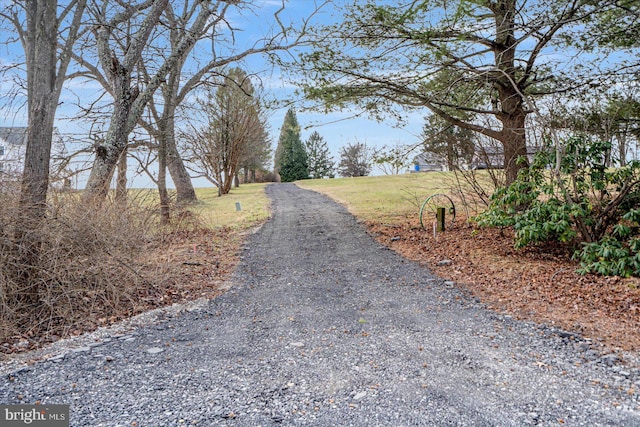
87, 262
97, 264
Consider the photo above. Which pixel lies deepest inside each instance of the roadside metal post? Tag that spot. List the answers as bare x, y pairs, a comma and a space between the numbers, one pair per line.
440, 218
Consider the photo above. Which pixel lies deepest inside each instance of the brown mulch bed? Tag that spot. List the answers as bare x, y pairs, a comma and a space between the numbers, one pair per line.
538, 284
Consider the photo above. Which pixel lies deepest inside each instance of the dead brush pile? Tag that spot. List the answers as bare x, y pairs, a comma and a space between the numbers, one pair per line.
95, 266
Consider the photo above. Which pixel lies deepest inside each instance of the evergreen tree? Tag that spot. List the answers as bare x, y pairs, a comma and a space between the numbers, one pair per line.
291, 156
450, 143
492, 58
319, 159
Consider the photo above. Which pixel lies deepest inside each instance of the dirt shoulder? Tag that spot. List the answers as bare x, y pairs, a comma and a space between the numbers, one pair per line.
535, 284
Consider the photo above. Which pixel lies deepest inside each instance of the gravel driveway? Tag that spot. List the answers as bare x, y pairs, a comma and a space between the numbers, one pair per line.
325, 327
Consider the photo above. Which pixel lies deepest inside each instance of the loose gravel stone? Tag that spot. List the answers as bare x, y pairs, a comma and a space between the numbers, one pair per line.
324, 327
360, 396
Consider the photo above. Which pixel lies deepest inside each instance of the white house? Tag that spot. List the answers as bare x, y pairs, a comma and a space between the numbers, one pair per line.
13, 146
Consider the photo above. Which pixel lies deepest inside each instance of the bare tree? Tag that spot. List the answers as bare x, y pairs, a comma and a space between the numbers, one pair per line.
235, 124
199, 21
45, 30
118, 59
355, 160
161, 123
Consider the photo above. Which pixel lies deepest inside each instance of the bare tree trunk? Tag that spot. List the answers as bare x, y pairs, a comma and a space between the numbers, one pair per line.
622, 149
121, 181
165, 203
452, 161
514, 142
230, 173
40, 51
126, 111
108, 152
225, 186
219, 177
185, 193
512, 115
46, 64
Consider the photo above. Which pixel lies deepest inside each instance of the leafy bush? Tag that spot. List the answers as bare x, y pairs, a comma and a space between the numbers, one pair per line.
615, 255
571, 196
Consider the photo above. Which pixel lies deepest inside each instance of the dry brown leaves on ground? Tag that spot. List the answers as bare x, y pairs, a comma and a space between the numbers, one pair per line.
538, 284
194, 264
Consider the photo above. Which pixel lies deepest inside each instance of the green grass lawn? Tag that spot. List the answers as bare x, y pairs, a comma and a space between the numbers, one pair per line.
218, 212
386, 198
383, 198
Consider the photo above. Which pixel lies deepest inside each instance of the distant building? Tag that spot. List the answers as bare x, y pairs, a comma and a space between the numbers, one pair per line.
488, 157
428, 162
492, 157
13, 147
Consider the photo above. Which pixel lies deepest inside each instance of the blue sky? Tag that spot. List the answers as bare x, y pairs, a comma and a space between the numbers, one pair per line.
338, 128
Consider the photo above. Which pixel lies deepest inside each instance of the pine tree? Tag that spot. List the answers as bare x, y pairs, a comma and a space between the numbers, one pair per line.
319, 159
291, 156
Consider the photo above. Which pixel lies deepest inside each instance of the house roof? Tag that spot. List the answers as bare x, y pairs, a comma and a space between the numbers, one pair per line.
427, 157
14, 135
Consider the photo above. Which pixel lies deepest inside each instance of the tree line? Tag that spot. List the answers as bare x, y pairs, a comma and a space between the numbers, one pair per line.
311, 159
476, 66
149, 58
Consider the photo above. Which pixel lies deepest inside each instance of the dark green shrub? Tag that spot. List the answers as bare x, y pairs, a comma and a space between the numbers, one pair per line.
570, 195
614, 255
